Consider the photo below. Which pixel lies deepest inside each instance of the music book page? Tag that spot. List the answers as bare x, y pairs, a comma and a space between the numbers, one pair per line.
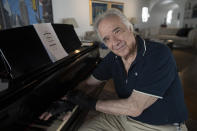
50, 41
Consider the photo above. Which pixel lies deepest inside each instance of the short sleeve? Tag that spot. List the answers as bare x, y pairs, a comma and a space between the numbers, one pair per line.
104, 69
158, 73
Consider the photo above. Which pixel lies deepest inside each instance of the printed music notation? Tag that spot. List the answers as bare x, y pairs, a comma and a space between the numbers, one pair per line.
50, 41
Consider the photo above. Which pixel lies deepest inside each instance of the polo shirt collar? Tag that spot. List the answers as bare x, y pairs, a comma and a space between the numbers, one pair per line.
141, 46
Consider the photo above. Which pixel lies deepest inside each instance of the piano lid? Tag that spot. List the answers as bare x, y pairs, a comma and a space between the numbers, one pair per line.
23, 53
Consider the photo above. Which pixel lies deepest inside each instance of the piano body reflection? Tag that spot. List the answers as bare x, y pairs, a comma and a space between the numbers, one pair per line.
34, 81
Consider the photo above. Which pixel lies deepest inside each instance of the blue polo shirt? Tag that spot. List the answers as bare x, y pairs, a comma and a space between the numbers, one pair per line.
154, 73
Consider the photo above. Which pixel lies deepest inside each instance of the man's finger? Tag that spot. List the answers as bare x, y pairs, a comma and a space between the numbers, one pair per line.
67, 115
43, 115
47, 116
64, 98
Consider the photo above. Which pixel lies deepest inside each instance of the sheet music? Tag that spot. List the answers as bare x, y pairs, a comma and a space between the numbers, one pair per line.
50, 41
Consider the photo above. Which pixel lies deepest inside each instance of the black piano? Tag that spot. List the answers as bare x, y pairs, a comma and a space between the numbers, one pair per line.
30, 81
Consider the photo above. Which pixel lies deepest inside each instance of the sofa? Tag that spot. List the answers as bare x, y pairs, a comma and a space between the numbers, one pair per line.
181, 37
91, 36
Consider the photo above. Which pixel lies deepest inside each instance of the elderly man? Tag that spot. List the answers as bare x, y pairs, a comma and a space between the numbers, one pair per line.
146, 81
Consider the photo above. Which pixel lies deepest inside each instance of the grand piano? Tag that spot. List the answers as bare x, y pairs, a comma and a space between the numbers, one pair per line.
30, 81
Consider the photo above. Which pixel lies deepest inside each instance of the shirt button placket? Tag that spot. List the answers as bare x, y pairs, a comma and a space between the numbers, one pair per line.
136, 74
126, 81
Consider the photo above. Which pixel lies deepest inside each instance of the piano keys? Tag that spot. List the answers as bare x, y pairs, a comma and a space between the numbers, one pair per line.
34, 81
56, 124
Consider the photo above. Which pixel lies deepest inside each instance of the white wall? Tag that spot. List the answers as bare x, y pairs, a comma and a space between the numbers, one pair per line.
158, 10
79, 9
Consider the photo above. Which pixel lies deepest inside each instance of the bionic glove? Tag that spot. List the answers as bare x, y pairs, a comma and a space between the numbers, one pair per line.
60, 106
79, 98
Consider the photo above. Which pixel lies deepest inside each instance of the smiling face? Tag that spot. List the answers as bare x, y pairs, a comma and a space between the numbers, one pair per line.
117, 37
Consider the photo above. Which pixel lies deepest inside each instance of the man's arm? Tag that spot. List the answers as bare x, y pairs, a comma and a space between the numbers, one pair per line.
134, 105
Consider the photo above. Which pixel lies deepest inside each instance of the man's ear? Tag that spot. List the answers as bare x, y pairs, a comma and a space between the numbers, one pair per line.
130, 29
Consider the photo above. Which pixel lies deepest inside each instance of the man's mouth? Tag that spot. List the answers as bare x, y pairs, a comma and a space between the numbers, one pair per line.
120, 47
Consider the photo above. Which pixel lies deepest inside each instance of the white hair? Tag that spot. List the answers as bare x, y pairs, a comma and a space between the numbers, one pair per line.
109, 13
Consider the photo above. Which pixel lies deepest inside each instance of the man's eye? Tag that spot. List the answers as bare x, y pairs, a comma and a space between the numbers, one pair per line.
106, 39
117, 31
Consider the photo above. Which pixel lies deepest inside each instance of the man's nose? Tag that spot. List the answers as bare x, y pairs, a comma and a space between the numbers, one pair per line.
114, 40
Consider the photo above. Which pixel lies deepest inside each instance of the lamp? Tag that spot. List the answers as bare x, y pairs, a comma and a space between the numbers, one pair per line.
70, 21
133, 20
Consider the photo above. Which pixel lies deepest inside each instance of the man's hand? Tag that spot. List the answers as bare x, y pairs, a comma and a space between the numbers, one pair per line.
79, 98
56, 108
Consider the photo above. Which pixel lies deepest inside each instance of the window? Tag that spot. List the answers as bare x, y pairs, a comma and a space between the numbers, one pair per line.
169, 17
145, 14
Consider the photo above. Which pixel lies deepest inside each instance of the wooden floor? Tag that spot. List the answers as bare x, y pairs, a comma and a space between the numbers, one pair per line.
186, 59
